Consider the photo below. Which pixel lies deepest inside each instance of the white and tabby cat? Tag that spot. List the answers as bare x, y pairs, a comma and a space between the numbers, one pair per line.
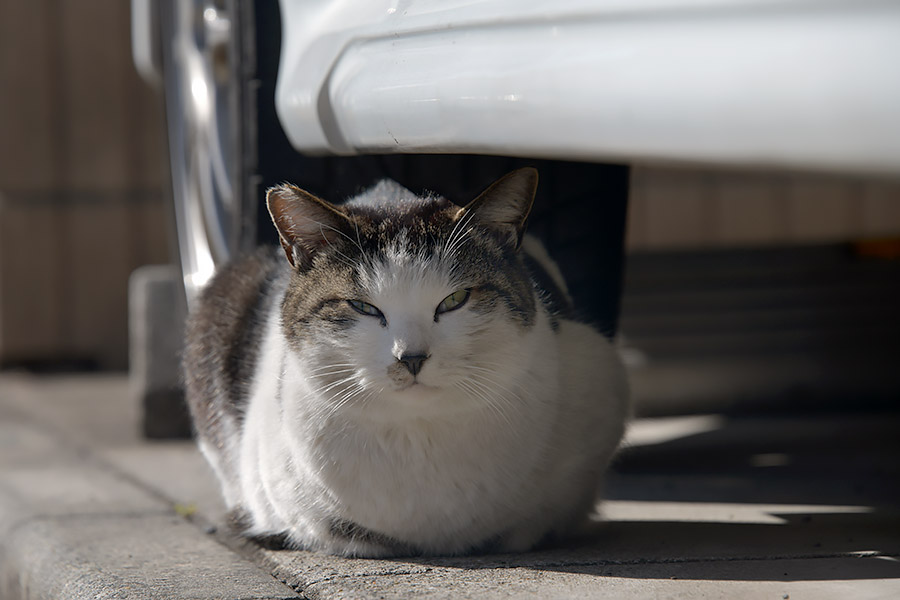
406, 382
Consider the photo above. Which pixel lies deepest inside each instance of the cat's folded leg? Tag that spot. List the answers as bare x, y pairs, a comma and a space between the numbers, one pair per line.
519, 539
349, 539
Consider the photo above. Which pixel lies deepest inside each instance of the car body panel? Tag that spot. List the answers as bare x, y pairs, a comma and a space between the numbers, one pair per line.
801, 83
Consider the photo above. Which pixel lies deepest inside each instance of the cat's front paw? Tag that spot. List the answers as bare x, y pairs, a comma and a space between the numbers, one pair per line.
350, 539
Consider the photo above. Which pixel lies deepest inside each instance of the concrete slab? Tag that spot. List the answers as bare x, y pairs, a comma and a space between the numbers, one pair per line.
44, 477
176, 471
784, 579
826, 548
701, 507
126, 556
87, 409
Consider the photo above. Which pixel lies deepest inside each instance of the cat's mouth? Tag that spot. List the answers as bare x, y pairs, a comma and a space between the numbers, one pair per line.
413, 384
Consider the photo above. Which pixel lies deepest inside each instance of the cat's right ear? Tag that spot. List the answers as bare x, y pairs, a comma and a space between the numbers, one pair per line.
304, 222
505, 205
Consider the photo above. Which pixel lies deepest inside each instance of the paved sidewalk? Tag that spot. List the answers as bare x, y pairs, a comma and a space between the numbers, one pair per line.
699, 507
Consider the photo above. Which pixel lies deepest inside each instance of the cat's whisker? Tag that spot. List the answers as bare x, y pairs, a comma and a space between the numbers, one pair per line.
337, 383
460, 243
460, 240
364, 257
502, 397
344, 398
449, 246
518, 389
479, 393
344, 259
323, 226
353, 385
465, 223
335, 409
367, 397
450, 237
332, 395
461, 235
331, 366
470, 391
491, 381
324, 374
458, 226
328, 379
330, 374
488, 373
490, 388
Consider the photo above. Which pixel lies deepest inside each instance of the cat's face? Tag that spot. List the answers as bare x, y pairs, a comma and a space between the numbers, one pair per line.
408, 302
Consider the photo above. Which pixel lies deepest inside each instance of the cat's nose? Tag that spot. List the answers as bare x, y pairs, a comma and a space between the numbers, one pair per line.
413, 362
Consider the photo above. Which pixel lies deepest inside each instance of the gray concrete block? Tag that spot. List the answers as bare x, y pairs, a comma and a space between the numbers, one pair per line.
156, 329
136, 556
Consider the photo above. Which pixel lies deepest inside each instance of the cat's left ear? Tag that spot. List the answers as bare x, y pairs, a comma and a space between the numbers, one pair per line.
305, 223
505, 205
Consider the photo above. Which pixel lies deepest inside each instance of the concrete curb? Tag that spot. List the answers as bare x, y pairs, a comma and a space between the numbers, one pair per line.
71, 527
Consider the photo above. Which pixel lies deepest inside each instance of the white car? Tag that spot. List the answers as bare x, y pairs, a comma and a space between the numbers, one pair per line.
449, 94
796, 83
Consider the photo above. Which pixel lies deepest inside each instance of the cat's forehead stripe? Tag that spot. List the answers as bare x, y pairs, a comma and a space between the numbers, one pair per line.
407, 256
405, 267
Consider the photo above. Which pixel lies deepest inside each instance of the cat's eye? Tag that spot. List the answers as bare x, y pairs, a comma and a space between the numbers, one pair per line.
364, 308
452, 302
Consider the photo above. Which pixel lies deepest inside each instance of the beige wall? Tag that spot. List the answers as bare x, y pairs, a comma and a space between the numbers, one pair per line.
691, 208
81, 179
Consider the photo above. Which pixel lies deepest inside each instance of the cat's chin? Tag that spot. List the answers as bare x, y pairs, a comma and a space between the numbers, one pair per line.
415, 400
414, 391
415, 386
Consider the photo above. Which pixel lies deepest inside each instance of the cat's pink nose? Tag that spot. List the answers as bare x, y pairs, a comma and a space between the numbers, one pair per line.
413, 362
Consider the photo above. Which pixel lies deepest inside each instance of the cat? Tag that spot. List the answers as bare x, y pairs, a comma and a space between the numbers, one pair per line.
406, 379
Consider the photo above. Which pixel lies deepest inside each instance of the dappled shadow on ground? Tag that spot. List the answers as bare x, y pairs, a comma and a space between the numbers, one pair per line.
869, 542
783, 570
755, 499
838, 459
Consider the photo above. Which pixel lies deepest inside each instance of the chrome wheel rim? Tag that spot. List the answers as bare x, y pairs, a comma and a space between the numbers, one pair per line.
203, 139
